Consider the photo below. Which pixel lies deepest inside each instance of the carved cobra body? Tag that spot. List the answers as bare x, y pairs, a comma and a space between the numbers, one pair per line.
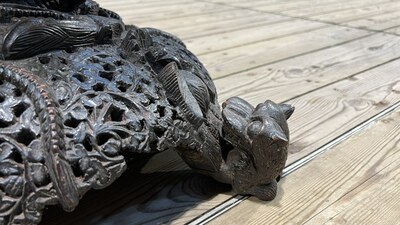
82, 95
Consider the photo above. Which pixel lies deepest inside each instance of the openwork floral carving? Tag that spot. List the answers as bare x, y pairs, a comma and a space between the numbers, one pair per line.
82, 95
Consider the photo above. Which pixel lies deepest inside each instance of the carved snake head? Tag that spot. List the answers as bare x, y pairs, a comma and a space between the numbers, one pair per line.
259, 138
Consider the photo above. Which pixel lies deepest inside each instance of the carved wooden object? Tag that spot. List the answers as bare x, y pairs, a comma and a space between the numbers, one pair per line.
82, 95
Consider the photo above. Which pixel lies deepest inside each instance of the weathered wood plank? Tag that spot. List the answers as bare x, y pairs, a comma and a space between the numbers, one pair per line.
223, 26
169, 9
279, 6
238, 1
133, 6
331, 111
137, 4
324, 115
336, 7
302, 74
395, 30
358, 13
374, 202
357, 182
196, 23
379, 22
165, 11
239, 37
245, 36
242, 58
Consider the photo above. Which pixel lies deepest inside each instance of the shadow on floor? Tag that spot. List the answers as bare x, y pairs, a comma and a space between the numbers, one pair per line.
137, 198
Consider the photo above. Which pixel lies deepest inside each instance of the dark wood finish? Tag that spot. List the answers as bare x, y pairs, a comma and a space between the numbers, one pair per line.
85, 96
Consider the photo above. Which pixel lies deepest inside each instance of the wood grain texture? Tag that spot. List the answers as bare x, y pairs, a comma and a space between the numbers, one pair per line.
241, 1
357, 182
281, 6
302, 74
253, 55
374, 202
358, 13
335, 7
166, 11
121, 5
395, 30
195, 25
250, 35
225, 25
210, 19
327, 113
324, 115
379, 22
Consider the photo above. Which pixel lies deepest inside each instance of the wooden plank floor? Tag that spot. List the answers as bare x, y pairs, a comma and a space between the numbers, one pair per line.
336, 61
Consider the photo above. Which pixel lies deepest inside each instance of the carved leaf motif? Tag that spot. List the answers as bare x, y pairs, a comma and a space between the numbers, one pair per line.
5, 151
236, 113
13, 185
199, 90
63, 92
179, 93
79, 112
98, 137
144, 39
91, 102
8, 168
6, 110
39, 173
27, 39
6, 204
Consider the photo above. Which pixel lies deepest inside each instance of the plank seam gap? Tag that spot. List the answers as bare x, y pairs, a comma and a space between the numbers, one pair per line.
237, 199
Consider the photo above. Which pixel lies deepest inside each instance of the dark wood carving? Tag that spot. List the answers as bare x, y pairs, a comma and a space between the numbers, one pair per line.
82, 95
